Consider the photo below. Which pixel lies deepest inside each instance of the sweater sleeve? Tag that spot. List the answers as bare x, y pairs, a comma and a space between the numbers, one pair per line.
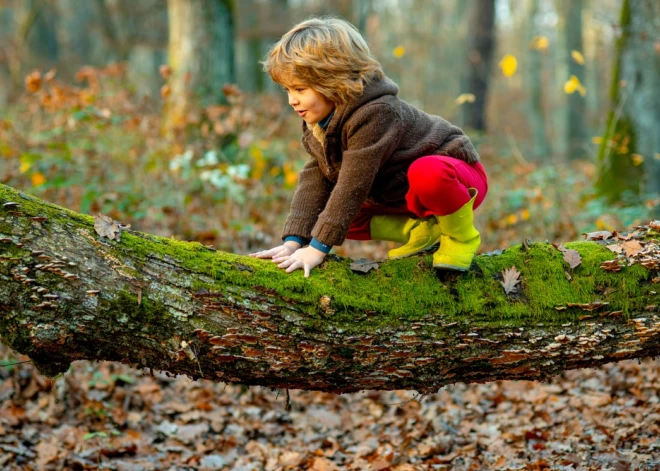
372, 136
456, 144
308, 201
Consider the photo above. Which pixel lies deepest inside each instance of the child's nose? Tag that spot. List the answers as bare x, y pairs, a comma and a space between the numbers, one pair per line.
293, 101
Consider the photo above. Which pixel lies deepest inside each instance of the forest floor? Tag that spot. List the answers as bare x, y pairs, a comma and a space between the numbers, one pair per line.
108, 416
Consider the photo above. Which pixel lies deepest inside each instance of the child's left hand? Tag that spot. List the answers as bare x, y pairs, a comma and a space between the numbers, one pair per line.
306, 258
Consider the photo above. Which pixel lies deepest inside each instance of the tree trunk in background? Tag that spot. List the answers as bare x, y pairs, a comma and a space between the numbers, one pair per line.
74, 33
342, 8
629, 155
479, 59
362, 10
535, 110
7, 38
576, 132
36, 36
201, 56
67, 294
258, 26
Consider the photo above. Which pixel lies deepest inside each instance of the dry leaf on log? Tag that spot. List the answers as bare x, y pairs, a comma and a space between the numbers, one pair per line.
510, 278
599, 235
572, 257
363, 265
632, 248
616, 248
107, 227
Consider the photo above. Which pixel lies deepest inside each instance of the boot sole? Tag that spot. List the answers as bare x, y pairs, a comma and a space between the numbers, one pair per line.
428, 248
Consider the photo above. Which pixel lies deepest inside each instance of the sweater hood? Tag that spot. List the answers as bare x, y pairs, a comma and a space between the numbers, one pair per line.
375, 89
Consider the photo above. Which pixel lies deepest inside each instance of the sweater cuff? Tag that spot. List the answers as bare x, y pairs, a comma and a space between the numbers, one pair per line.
318, 245
300, 240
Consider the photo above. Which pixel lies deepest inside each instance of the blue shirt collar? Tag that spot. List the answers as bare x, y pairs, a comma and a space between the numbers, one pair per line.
323, 124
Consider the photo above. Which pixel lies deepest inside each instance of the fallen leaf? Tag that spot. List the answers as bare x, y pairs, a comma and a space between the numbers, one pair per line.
106, 227
290, 458
47, 452
510, 280
632, 247
599, 235
363, 265
573, 258
560, 247
616, 248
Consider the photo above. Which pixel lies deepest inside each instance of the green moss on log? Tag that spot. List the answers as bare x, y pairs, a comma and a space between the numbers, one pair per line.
404, 289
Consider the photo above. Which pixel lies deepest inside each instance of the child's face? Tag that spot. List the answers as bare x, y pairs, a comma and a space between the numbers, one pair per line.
310, 105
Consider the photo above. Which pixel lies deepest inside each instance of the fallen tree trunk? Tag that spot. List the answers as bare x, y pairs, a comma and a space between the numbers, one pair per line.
68, 293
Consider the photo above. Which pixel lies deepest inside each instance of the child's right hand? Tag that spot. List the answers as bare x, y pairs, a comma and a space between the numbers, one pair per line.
284, 250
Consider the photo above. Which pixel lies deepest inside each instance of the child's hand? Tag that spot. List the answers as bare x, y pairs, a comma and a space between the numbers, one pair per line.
306, 258
280, 251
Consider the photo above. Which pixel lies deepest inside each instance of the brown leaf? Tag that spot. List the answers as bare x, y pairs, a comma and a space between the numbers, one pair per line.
632, 248
573, 258
510, 280
47, 452
33, 82
230, 89
322, 464
106, 227
599, 235
290, 458
616, 248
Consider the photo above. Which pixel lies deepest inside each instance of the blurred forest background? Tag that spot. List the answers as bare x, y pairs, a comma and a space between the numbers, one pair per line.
158, 114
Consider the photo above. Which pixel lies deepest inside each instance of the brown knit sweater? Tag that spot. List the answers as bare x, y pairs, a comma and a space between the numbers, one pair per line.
369, 144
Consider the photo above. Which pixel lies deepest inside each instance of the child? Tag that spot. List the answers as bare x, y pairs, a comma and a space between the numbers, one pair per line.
380, 168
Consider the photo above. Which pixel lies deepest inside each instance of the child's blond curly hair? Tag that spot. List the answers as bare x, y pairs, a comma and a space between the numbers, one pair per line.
328, 54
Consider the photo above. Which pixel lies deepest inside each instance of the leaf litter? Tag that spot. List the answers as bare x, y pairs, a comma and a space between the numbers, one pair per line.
109, 416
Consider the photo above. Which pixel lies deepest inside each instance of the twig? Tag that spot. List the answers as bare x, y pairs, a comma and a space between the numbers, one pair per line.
17, 363
514, 147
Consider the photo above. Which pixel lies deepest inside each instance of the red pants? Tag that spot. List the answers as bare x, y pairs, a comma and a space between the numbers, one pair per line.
438, 186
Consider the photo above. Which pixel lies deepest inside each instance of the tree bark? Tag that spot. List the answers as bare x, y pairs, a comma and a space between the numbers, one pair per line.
479, 59
535, 109
576, 129
629, 155
201, 56
67, 293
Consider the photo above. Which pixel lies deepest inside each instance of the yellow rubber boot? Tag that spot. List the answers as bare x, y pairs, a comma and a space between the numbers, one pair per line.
416, 234
460, 240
